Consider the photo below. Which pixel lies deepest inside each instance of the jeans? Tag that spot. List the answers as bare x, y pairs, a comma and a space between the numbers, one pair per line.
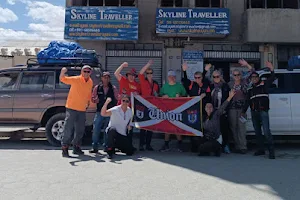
75, 120
261, 118
145, 137
208, 146
99, 122
224, 129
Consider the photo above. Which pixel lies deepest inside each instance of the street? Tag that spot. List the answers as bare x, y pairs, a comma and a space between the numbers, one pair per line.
32, 169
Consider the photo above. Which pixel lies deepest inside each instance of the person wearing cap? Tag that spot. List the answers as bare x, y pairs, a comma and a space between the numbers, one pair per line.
149, 87
100, 93
172, 89
127, 86
259, 103
77, 103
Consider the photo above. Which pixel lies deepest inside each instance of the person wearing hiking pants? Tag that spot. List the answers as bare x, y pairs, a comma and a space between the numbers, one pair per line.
77, 103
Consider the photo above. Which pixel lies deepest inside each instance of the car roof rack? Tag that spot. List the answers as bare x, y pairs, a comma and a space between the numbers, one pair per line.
65, 62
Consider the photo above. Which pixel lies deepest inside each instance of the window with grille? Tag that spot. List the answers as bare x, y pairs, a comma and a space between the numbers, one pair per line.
208, 3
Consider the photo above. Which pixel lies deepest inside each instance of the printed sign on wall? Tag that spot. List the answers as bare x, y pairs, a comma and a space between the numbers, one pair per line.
193, 22
101, 23
194, 60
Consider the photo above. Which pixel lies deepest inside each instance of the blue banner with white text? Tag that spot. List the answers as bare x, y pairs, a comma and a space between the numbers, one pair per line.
193, 21
101, 23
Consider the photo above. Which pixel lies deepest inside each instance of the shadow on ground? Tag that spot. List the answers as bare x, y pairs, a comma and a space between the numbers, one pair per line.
281, 175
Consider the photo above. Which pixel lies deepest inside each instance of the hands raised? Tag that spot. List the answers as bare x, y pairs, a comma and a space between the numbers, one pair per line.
184, 66
270, 66
243, 62
124, 64
207, 67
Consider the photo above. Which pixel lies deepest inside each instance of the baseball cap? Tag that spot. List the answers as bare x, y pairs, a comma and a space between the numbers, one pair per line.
86, 67
171, 73
132, 72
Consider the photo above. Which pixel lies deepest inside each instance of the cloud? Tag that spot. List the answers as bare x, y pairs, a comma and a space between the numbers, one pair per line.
13, 2
7, 15
47, 22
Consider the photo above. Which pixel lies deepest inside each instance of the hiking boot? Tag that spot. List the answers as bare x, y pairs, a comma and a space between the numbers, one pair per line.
226, 149
93, 151
271, 154
218, 152
165, 148
110, 153
259, 153
65, 152
149, 148
141, 148
240, 151
203, 154
77, 150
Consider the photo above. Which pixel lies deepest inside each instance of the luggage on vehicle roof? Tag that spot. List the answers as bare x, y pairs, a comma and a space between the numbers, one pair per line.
57, 50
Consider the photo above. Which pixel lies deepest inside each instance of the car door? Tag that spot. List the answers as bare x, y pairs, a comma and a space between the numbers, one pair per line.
280, 103
35, 95
295, 102
8, 87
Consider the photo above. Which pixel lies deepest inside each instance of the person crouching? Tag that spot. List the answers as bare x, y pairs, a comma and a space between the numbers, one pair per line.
120, 117
211, 140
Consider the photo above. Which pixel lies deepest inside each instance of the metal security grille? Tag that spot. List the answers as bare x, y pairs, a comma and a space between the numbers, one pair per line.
113, 62
232, 55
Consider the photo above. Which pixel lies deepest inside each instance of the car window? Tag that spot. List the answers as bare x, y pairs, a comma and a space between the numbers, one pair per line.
8, 81
296, 82
59, 84
37, 81
282, 83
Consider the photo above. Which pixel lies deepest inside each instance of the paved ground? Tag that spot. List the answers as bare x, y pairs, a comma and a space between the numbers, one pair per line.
34, 170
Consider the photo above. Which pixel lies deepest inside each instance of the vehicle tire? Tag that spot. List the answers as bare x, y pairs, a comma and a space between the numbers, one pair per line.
55, 128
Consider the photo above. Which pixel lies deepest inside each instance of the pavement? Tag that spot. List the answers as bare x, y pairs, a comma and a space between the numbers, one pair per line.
33, 170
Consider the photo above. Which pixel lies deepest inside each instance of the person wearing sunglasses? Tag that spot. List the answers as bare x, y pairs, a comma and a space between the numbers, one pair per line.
259, 103
172, 89
77, 103
117, 130
100, 93
236, 125
127, 85
219, 94
198, 87
149, 87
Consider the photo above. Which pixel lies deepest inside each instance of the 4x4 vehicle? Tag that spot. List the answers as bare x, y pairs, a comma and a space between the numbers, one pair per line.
284, 97
32, 96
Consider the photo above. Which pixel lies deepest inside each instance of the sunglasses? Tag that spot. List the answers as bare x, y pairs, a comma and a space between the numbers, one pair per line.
216, 76
236, 75
197, 77
149, 73
125, 101
254, 76
87, 72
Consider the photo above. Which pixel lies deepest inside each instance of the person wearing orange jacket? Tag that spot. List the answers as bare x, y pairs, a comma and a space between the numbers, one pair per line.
149, 87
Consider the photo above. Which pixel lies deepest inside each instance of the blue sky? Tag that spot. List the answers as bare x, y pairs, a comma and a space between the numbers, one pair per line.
29, 19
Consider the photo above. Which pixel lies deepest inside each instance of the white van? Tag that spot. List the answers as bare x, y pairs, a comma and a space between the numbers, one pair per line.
284, 103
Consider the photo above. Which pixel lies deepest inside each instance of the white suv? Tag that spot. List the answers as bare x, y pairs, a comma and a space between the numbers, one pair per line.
284, 103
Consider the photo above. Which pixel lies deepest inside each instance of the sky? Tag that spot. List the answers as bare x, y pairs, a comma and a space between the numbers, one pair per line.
32, 20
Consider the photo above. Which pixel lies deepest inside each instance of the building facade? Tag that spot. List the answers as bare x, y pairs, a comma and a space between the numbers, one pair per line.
165, 30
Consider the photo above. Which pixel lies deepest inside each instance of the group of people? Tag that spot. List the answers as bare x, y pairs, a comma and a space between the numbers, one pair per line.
224, 108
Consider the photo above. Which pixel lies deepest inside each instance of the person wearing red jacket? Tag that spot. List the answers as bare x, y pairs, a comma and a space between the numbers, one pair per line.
149, 87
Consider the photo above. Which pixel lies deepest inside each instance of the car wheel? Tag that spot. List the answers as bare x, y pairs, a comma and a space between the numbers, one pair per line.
55, 129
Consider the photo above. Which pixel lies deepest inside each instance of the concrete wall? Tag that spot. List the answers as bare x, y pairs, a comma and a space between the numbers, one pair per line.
272, 25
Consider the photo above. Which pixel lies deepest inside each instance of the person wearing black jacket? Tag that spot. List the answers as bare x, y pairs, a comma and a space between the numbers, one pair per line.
199, 87
219, 94
100, 93
258, 100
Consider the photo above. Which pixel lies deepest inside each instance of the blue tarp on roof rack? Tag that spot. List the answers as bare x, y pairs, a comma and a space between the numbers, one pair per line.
294, 63
57, 50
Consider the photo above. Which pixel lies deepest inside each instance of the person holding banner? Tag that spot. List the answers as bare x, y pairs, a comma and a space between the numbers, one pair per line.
149, 87
212, 136
171, 90
219, 94
127, 86
199, 87
117, 130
